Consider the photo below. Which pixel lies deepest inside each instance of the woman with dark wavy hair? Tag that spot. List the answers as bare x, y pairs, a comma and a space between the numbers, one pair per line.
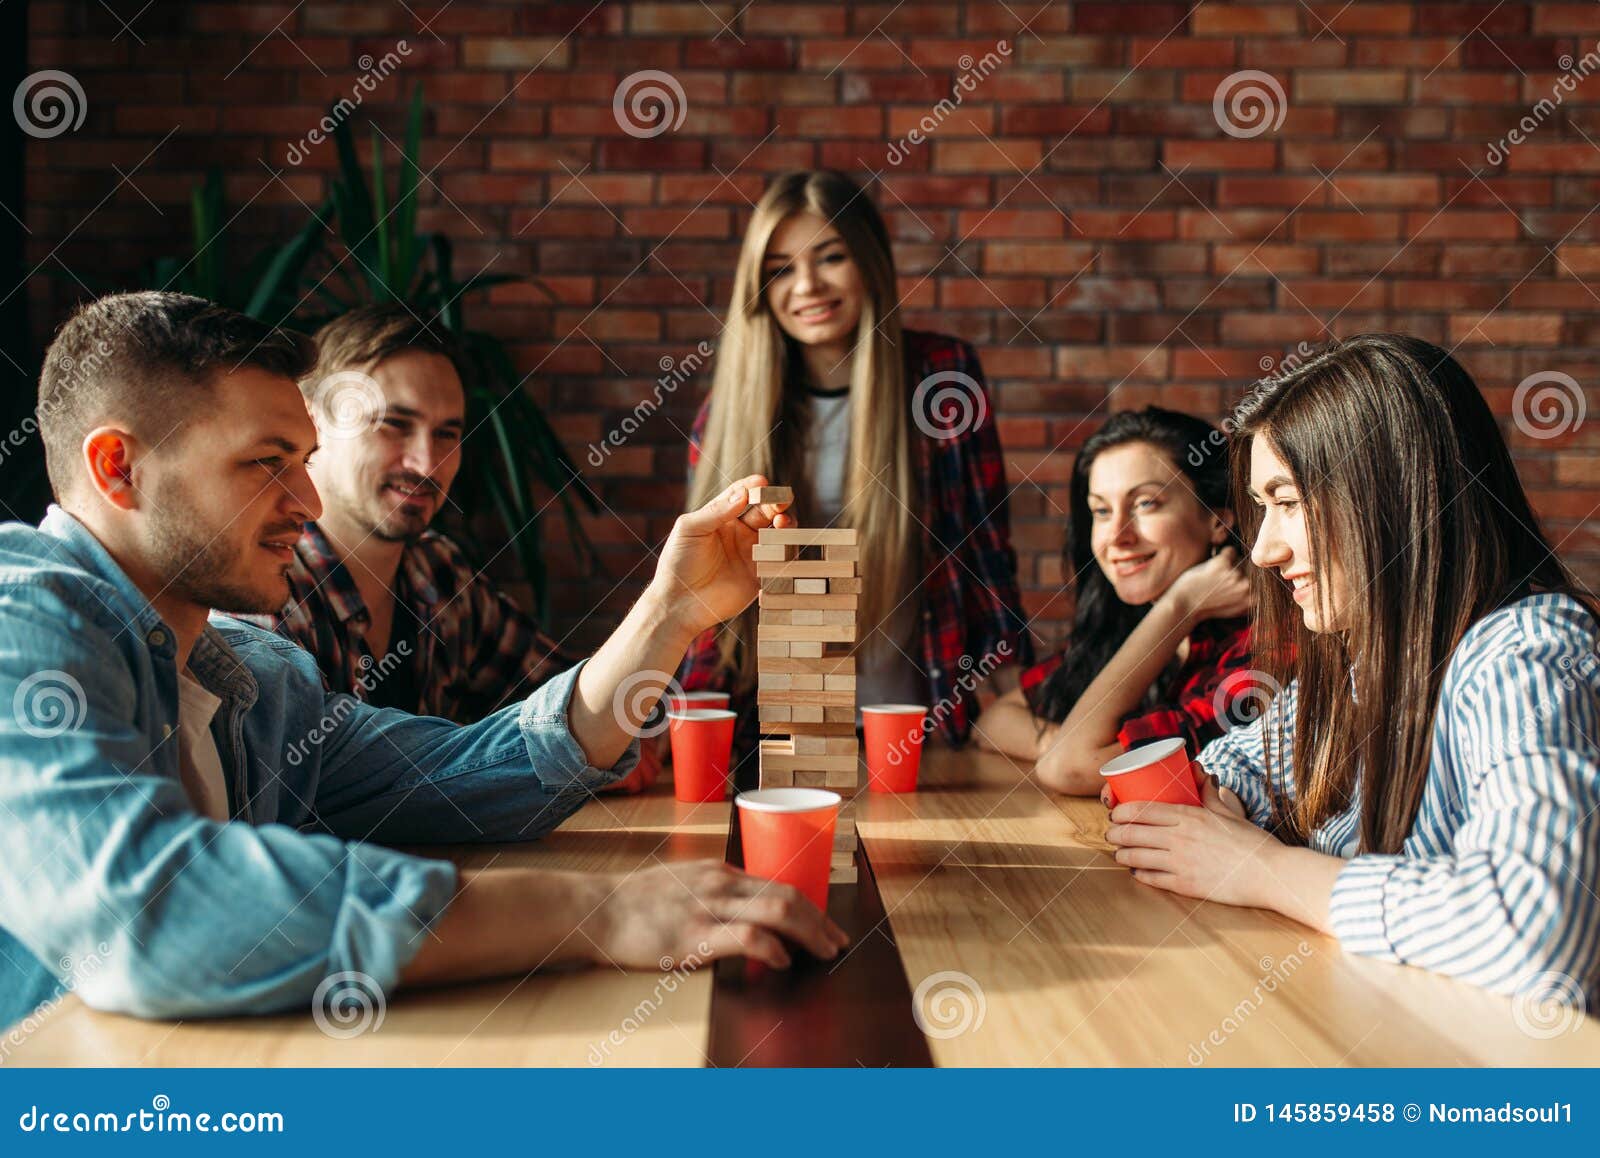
1158, 633
1426, 786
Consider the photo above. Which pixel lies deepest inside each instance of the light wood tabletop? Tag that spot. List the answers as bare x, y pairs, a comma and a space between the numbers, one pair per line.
550, 1019
1026, 944
1023, 942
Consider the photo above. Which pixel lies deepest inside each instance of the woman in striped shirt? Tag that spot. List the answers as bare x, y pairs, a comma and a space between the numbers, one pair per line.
1426, 787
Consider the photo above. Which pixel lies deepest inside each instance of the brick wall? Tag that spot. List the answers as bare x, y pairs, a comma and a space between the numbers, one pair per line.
1082, 216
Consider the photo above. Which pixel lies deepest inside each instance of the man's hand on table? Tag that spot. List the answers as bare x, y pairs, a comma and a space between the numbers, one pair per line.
698, 911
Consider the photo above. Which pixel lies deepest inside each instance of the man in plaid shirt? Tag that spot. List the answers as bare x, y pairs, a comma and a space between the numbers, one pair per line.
393, 612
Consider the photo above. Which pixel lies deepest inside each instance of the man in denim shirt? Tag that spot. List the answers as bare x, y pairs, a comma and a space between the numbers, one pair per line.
182, 801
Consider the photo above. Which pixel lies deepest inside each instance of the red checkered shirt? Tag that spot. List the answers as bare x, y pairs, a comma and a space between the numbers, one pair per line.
971, 607
475, 651
1219, 658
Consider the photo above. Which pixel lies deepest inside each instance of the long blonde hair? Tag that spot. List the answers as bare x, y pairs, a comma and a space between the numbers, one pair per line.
756, 422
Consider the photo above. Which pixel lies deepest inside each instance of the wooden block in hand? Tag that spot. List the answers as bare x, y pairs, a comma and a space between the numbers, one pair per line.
805, 569
762, 553
769, 494
842, 554
808, 536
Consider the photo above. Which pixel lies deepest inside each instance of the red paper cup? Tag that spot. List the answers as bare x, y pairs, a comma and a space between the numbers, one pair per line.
893, 734
787, 836
1161, 771
684, 701
702, 739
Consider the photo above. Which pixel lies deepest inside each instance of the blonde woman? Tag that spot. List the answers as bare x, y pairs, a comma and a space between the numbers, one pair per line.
875, 427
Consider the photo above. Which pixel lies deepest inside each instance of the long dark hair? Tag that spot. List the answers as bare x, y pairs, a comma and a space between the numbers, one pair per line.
1101, 622
1404, 478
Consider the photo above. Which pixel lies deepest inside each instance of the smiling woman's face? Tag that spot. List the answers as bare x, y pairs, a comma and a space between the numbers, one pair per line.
813, 285
1283, 543
1149, 526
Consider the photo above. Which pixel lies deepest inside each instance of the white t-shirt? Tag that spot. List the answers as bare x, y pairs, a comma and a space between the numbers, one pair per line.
886, 673
199, 762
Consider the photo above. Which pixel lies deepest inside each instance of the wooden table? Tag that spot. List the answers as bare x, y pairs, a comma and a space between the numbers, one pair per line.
986, 876
551, 1019
1001, 900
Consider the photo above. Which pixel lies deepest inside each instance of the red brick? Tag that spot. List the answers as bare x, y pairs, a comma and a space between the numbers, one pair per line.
1246, 20
1349, 87
1228, 154
1502, 328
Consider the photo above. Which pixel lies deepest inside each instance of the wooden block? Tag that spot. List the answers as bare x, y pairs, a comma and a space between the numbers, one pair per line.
779, 586
849, 554
762, 553
842, 876
810, 586
809, 745
842, 859
850, 586
775, 618
813, 617
841, 746
777, 747
805, 569
843, 779
843, 766
759, 495
806, 713
791, 683
792, 696
775, 713
797, 665
772, 649
790, 633
805, 649
808, 536
845, 826
837, 683
773, 779
838, 715
808, 779
807, 729
799, 601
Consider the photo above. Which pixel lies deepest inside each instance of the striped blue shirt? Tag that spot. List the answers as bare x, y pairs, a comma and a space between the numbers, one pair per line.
1496, 884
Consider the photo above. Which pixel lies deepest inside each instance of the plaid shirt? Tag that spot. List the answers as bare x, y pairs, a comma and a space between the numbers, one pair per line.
475, 649
1219, 658
970, 601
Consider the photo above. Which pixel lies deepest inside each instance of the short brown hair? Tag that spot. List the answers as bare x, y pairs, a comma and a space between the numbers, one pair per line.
367, 335
147, 358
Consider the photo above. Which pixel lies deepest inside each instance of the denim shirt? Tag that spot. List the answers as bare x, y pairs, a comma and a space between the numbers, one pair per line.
104, 860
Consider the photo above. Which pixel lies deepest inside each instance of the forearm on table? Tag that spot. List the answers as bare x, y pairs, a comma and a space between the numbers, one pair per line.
507, 921
645, 650
1010, 727
1116, 692
1298, 883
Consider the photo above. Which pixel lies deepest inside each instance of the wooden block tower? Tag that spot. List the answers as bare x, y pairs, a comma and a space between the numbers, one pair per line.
806, 669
